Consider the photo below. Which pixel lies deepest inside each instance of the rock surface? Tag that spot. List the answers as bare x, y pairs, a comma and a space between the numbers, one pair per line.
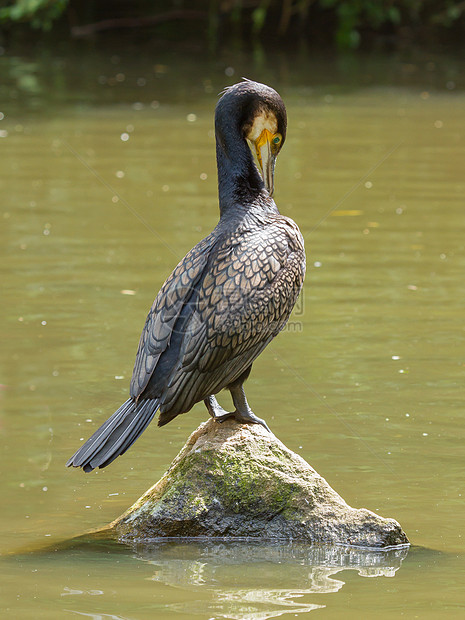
237, 480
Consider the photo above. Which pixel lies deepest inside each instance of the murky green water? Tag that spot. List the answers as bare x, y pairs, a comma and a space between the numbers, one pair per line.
108, 177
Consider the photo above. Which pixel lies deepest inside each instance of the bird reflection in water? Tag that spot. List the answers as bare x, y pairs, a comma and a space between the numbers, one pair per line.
229, 578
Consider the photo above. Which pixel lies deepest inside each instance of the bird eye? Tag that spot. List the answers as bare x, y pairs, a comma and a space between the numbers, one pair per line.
277, 139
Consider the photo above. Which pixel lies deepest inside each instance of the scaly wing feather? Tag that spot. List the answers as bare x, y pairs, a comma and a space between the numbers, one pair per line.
166, 309
244, 300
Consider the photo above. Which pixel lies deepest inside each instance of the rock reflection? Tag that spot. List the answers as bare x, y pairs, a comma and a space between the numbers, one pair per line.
252, 581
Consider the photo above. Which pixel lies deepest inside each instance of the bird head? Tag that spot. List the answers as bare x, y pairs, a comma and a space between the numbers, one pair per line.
261, 116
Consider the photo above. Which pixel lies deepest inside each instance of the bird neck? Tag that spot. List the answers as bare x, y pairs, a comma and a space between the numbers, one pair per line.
240, 186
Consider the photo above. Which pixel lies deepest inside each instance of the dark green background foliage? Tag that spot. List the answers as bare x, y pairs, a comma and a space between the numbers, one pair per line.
346, 23
38, 13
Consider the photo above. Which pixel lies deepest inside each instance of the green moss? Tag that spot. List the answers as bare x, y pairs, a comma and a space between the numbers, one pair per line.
235, 479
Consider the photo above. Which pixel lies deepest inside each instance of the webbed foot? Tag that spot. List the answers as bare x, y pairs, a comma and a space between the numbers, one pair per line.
249, 417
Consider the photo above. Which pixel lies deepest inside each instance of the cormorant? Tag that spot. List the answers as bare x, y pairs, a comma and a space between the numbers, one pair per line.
227, 298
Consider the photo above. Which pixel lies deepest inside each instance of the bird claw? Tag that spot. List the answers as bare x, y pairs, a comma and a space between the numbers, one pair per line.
257, 420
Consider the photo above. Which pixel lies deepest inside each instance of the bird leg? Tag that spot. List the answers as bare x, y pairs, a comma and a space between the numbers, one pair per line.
243, 412
216, 410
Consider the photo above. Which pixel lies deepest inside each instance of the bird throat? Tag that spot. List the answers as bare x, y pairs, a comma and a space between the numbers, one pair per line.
240, 185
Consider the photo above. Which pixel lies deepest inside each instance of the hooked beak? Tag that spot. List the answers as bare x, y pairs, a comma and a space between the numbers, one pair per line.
266, 158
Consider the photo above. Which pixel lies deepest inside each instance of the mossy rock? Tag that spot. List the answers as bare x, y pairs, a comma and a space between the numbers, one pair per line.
239, 481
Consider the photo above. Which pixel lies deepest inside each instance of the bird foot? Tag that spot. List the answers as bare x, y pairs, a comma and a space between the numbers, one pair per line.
247, 418
243, 417
226, 416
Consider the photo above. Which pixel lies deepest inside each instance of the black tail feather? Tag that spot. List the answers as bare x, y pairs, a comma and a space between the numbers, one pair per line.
94, 443
115, 435
123, 437
144, 421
